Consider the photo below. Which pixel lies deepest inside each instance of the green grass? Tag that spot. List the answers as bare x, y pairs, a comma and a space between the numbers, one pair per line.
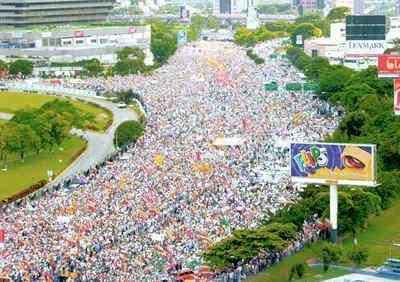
2, 121
20, 175
10, 102
381, 230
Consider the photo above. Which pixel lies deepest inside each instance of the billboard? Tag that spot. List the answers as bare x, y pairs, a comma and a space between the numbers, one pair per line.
397, 97
327, 163
182, 37
366, 27
389, 66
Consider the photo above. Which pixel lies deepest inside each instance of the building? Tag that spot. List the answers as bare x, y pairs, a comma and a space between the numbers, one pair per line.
74, 44
358, 7
398, 8
356, 43
345, 3
29, 12
231, 7
309, 6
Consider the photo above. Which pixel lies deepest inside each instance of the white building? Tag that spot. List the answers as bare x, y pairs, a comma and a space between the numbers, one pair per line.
71, 45
353, 54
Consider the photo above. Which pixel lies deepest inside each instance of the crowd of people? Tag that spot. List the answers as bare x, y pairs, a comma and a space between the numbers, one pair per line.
164, 200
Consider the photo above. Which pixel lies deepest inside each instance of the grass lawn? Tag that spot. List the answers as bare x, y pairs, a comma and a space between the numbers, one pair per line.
10, 102
21, 175
381, 231
2, 121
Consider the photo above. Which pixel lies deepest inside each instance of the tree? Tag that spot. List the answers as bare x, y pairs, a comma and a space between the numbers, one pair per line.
130, 61
244, 37
127, 132
300, 268
357, 255
24, 67
333, 80
316, 66
93, 67
338, 13
352, 123
3, 66
306, 30
330, 254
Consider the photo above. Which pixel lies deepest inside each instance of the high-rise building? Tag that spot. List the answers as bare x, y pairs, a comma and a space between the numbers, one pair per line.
231, 6
398, 8
29, 12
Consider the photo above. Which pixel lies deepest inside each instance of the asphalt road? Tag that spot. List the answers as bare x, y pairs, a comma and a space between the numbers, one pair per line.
100, 145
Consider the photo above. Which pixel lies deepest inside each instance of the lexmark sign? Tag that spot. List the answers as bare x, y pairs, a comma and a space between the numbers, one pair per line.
370, 47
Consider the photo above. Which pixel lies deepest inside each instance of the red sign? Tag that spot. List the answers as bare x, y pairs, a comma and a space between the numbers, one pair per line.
79, 33
132, 29
389, 66
396, 97
2, 236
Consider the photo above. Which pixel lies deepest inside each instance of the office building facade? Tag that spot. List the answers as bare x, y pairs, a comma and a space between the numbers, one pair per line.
32, 12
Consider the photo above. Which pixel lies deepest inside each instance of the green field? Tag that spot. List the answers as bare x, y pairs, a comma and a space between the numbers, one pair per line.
382, 230
10, 102
2, 121
22, 174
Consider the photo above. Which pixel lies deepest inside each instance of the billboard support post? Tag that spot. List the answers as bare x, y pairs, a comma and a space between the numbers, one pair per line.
333, 212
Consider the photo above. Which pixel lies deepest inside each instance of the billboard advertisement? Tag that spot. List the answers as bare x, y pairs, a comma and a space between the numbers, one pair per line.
366, 27
389, 66
327, 163
397, 97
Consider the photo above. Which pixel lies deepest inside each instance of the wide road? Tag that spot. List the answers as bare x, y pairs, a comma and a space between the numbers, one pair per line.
100, 144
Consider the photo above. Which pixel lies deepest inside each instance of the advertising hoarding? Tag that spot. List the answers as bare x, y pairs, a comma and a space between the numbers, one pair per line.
327, 163
366, 27
397, 97
389, 66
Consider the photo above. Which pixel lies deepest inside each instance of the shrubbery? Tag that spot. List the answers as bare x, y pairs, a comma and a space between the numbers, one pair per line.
128, 132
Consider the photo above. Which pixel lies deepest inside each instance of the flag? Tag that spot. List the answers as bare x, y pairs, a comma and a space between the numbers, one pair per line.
159, 160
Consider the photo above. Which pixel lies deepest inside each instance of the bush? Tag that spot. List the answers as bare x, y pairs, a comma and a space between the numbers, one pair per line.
357, 255
128, 132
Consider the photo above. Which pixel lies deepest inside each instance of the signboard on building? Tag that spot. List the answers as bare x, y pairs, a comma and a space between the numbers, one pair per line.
132, 29
365, 47
326, 163
397, 97
299, 39
182, 37
389, 66
79, 33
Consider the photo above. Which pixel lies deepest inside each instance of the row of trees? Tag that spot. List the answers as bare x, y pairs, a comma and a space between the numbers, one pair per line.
24, 67
36, 130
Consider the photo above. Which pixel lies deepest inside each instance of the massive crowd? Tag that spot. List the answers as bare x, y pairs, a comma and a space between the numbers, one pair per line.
168, 197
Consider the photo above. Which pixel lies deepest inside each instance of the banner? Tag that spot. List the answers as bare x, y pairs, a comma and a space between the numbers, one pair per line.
2, 238
389, 66
182, 37
324, 163
397, 97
